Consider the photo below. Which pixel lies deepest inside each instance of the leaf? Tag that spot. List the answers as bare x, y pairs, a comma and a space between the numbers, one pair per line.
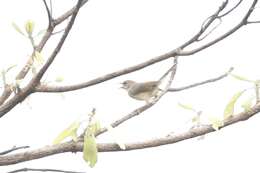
29, 27
216, 122
38, 57
246, 105
95, 127
229, 109
16, 27
241, 78
70, 131
90, 149
187, 107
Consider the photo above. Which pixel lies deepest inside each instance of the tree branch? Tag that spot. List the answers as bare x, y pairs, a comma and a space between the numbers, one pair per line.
42, 170
13, 149
201, 83
108, 147
216, 15
20, 96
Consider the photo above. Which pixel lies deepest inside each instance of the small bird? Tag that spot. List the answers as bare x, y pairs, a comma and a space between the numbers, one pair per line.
144, 91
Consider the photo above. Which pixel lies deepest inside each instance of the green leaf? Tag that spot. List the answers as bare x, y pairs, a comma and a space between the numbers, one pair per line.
90, 149
187, 107
70, 131
216, 123
242, 78
29, 27
229, 109
16, 27
247, 104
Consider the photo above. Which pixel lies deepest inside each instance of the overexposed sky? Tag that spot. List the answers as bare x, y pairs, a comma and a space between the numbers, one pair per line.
111, 35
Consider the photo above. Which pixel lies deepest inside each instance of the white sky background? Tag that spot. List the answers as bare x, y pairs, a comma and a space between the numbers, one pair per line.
111, 35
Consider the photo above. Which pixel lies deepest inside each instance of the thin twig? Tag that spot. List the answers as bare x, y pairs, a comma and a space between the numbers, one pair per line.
202, 83
13, 149
48, 13
42, 170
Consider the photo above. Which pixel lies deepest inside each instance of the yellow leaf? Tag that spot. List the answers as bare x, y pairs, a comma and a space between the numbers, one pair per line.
229, 109
29, 27
90, 149
70, 131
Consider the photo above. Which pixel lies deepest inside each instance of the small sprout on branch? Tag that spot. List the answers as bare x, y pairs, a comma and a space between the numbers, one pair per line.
29, 27
216, 122
37, 56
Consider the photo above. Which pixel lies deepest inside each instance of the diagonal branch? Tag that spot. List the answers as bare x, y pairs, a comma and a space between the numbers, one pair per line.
201, 83
108, 147
21, 95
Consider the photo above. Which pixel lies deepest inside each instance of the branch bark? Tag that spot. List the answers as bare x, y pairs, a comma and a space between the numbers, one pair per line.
109, 147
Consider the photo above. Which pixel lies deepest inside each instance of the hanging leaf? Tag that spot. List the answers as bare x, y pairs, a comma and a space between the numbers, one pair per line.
187, 107
229, 109
90, 149
246, 105
29, 27
215, 122
16, 27
241, 78
71, 131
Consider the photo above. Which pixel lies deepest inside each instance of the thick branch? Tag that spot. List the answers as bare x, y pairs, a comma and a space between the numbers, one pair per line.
107, 147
